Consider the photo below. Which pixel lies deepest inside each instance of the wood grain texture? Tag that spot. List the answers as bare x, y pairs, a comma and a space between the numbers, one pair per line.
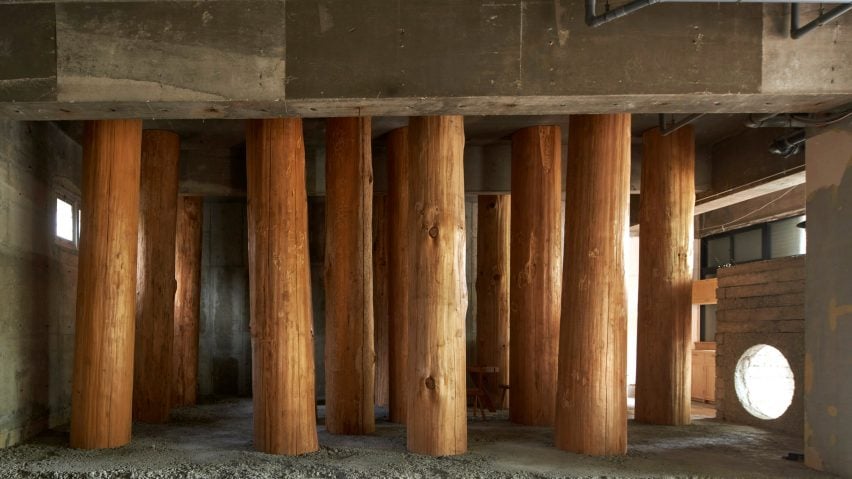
399, 272
437, 401
187, 299
591, 406
492, 289
349, 342
536, 273
102, 392
664, 339
704, 291
280, 288
380, 296
155, 283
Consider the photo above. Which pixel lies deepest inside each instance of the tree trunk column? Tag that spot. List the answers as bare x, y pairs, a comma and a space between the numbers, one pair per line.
492, 288
399, 273
664, 340
536, 273
591, 406
437, 402
101, 397
155, 284
349, 350
380, 296
187, 299
280, 288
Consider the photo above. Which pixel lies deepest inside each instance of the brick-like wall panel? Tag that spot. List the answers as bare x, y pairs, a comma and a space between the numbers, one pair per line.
760, 303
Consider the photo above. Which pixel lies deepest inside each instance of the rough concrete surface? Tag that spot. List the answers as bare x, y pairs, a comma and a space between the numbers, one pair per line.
215, 440
828, 313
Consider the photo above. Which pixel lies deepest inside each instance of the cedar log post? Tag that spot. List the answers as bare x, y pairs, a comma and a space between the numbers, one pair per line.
187, 299
380, 296
664, 340
536, 273
280, 288
349, 349
155, 284
437, 401
492, 288
591, 406
102, 392
399, 273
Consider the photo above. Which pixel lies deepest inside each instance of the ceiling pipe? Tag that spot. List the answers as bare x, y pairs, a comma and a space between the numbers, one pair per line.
595, 20
798, 32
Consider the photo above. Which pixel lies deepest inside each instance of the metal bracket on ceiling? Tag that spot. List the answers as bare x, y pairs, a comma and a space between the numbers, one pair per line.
666, 130
798, 32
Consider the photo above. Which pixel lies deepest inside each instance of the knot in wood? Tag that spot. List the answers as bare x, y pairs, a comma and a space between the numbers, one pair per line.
430, 383
433, 231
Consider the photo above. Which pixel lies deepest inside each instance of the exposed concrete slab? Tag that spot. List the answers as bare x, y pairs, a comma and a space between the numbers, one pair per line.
251, 59
176, 51
27, 53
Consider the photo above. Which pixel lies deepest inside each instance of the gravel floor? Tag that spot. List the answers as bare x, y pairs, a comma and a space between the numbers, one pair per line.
214, 440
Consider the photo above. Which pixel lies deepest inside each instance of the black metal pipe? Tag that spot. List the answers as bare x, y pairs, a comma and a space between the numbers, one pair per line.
798, 32
594, 20
789, 145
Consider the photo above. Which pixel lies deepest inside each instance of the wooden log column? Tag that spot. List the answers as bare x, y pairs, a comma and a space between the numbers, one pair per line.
664, 339
280, 288
536, 273
380, 296
102, 392
492, 288
437, 401
399, 273
349, 349
591, 406
187, 299
155, 284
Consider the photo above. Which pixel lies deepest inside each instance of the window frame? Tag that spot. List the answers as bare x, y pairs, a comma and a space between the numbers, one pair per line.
73, 200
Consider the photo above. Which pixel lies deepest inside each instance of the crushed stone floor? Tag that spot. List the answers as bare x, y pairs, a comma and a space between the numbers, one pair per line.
215, 440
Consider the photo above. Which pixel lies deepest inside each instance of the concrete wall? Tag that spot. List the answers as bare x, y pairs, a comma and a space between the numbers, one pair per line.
224, 352
38, 279
828, 334
761, 303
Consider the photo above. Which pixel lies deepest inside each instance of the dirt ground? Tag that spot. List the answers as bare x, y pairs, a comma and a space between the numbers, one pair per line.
214, 440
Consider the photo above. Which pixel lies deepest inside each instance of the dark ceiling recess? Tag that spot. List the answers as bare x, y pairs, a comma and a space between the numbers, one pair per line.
796, 31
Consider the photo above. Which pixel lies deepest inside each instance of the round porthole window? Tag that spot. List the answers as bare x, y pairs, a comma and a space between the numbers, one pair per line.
764, 382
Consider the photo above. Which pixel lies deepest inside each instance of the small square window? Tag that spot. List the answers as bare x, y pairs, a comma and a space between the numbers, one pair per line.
64, 220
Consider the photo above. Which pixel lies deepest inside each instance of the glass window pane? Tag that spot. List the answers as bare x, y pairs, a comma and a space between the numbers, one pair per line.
64, 220
708, 322
785, 238
748, 246
718, 251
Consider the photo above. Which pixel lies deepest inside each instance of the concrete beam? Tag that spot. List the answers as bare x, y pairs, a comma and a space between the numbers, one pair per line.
253, 59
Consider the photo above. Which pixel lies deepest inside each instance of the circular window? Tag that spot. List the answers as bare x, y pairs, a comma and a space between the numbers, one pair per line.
764, 382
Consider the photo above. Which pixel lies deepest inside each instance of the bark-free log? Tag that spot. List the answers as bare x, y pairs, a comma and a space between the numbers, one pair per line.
437, 401
664, 339
492, 288
536, 273
102, 392
349, 350
380, 296
591, 406
187, 299
155, 284
399, 272
280, 288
